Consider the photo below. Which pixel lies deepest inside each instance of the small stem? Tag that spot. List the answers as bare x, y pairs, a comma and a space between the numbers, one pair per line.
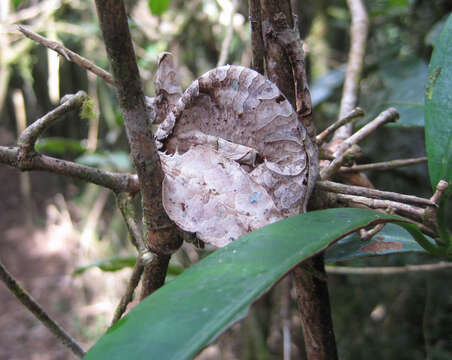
114, 181
369, 234
125, 205
386, 116
350, 200
31, 304
285, 316
127, 297
385, 165
350, 117
358, 37
69, 55
28, 138
388, 270
227, 39
371, 193
440, 189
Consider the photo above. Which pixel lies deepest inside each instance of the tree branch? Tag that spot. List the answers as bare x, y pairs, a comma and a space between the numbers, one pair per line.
27, 300
372, 193
25, 158
358, 36
285, 66
352, 116
161, 235
127, 297
227, 39
28, 138
386, 165
386, 116
114, 181
69, 55
388, 270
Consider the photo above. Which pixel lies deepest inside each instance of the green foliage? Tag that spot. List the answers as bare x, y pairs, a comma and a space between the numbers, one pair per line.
438, 110
438, 129
88, 110
404, 89
17, 2
186, 314
109, 265
158, 7
118, 263
116, 160
60, 146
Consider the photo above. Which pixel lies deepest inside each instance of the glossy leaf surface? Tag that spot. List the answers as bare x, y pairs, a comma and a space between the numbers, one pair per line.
404, 84
182, 317
438, 109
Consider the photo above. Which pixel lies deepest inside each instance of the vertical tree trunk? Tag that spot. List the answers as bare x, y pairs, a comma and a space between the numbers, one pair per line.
313, 298
161, 234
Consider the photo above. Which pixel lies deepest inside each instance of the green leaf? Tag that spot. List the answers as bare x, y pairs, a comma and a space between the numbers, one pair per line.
438, 109
433, 34
118, 263
60, 146
391, 240
118, 160
108, 265
183, 316
158, 7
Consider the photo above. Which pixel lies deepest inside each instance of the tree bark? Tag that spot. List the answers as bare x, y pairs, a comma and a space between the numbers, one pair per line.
313, 298
160, 233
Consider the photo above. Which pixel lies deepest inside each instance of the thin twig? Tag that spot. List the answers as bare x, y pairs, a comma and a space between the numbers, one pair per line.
358, 36
28, 138
27, 300
125, 205
37, 162
372, 193
128, 296
353, 200
386, 116
440, 189
385, 165
227, 39
366, 235
350, 117
388, 270
69, 55
286, 318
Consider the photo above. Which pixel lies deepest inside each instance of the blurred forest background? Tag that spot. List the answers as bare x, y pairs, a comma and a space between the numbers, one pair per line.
51, 226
